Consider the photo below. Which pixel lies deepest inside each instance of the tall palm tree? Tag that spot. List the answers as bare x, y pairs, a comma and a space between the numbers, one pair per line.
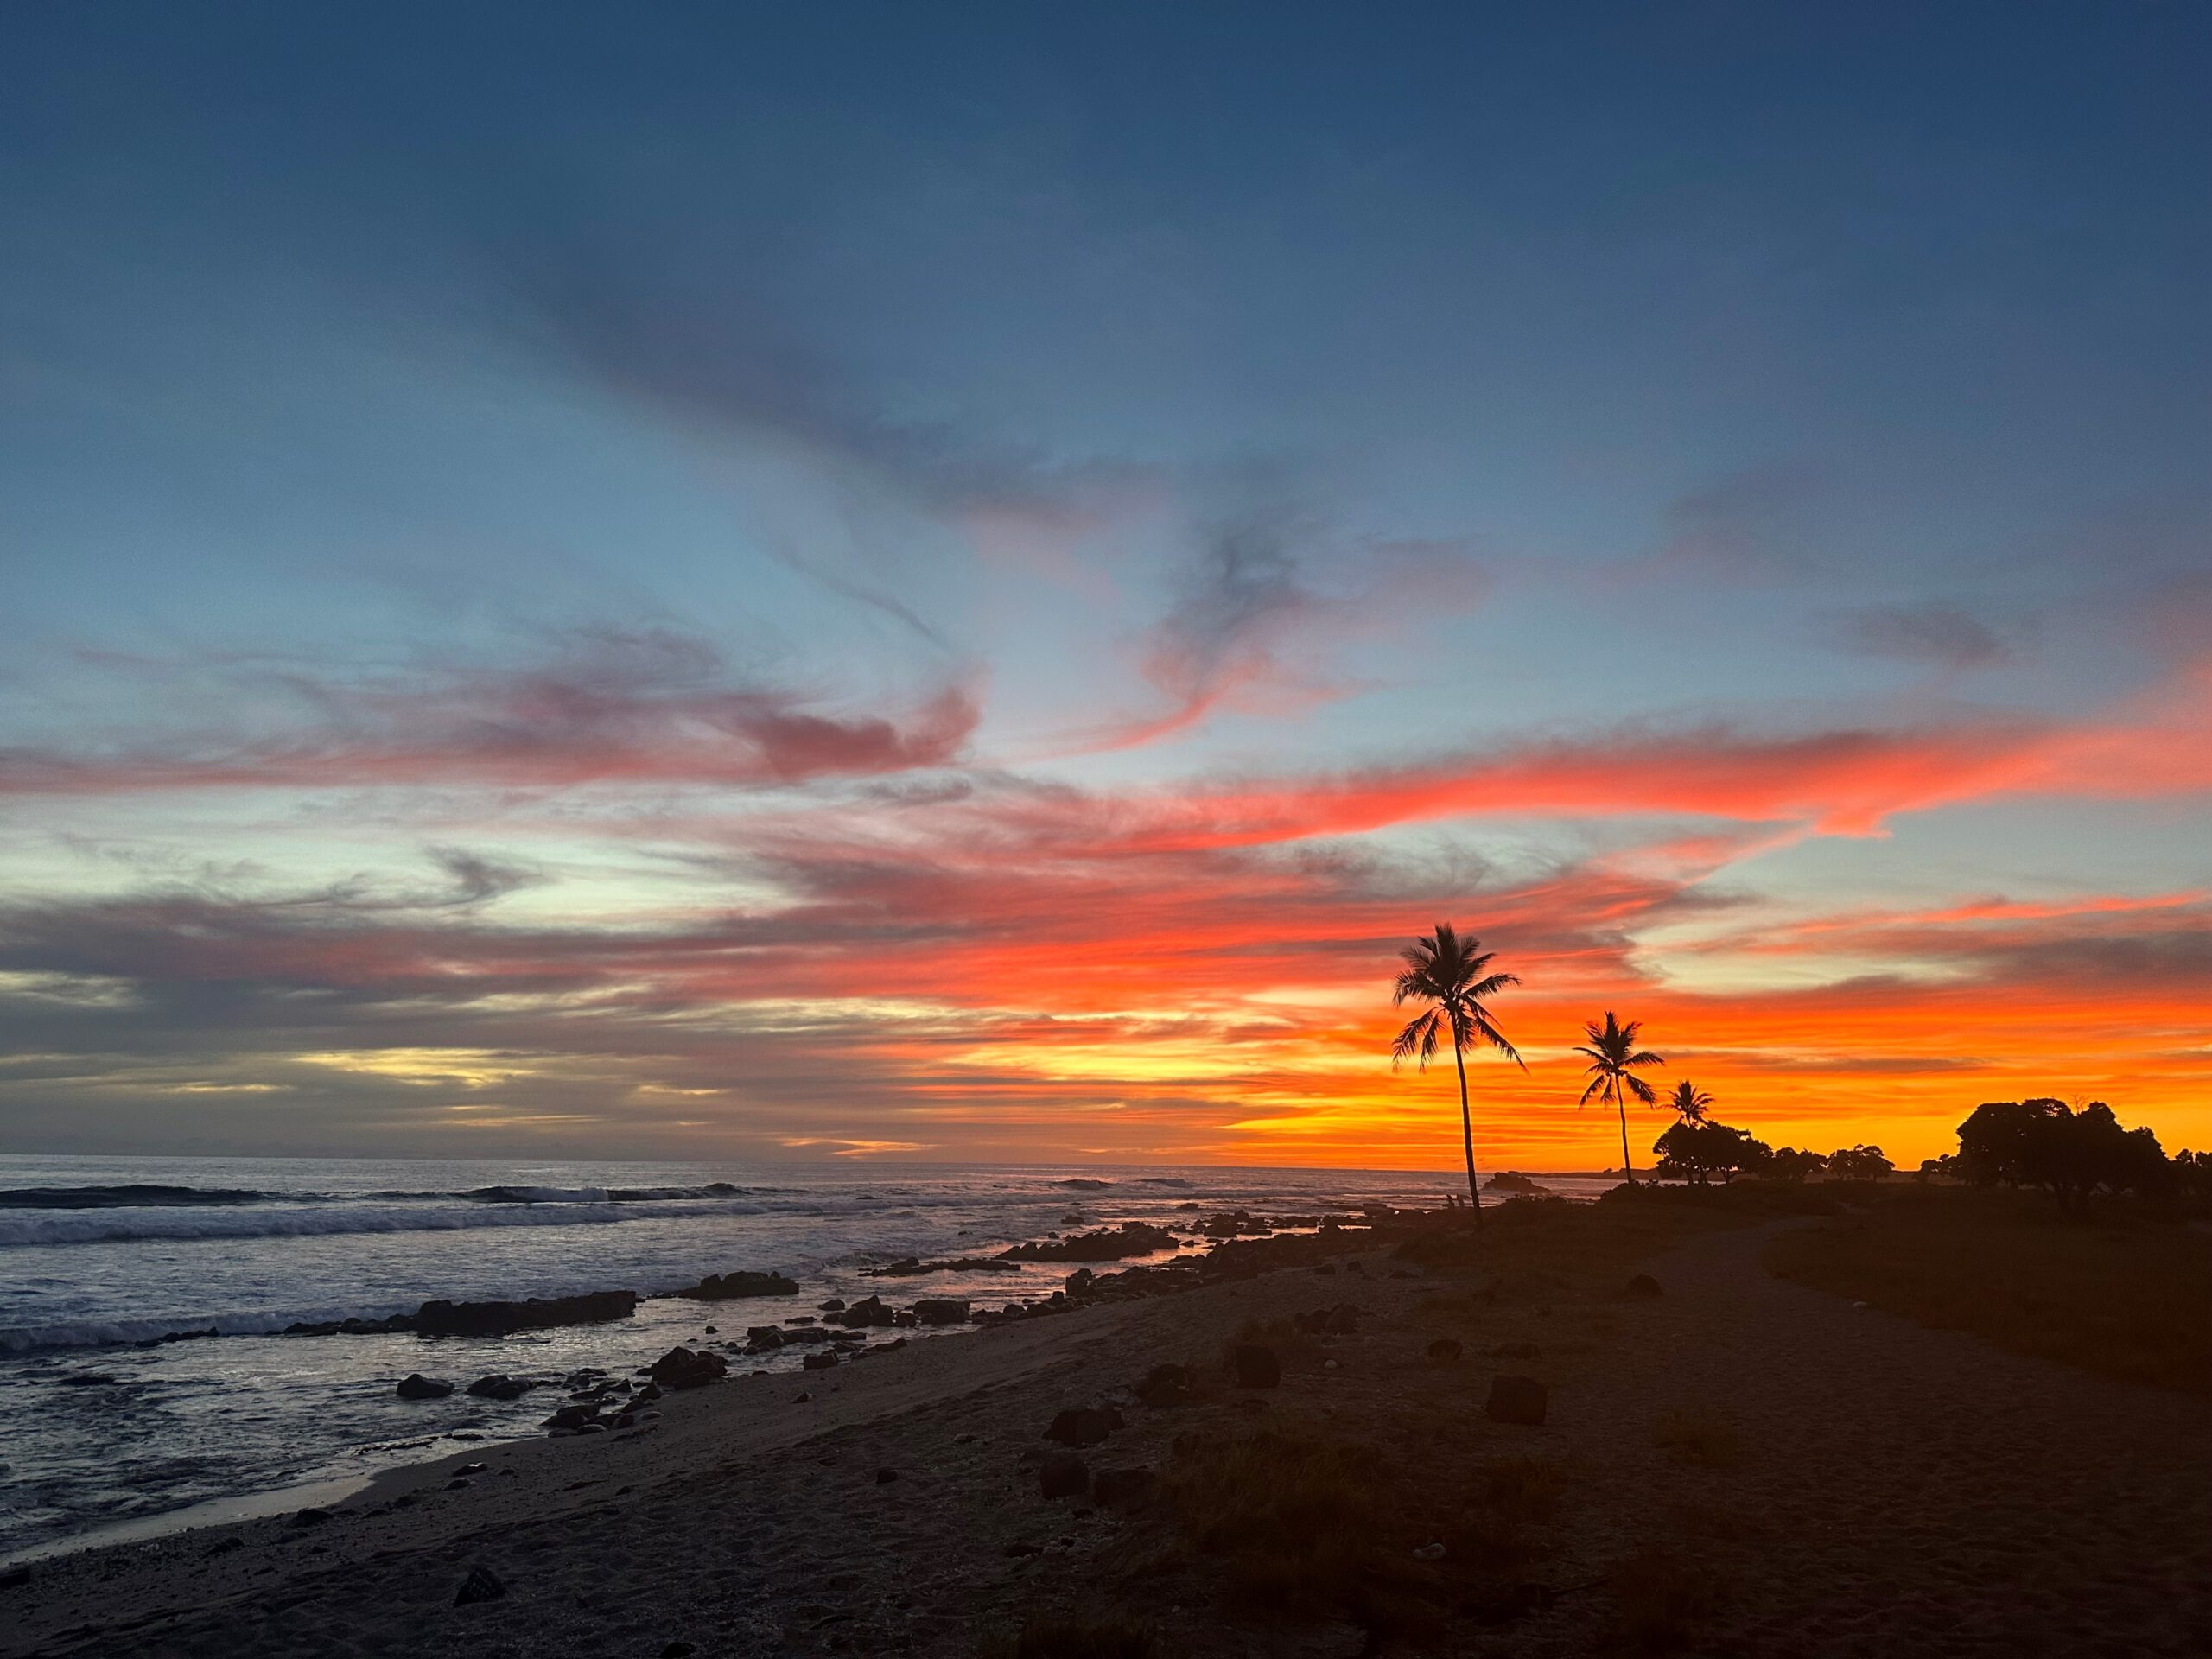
1689, 1102
1613, 1059
1449, 976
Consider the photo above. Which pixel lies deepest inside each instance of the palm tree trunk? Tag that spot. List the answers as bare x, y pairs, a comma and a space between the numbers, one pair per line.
1621, 1106
1467, 1130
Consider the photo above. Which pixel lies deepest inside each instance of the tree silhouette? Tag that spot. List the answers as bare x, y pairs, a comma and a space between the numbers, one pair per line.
1614, 1058
1689, 1102
1449, 974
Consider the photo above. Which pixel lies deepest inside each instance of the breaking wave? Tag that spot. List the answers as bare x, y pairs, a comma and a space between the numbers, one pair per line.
96, 1227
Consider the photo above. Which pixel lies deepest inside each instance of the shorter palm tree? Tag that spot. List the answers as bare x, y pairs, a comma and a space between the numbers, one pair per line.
1689, 1102
1614, 1059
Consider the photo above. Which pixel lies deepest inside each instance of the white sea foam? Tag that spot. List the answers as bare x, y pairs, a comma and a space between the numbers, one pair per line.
45, 1226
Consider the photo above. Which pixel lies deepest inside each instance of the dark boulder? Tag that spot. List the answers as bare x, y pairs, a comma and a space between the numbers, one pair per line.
572, 1417
1343, 1321
1515, 1400
941, 1310
819, 1361
730, 1286
1444, 1351
1644, 1285
538, 1314
1168, 1385
1115, 1489
1063, 1475
764, 1336
885, 1477
1255, 1366
481, 1585
1083, 1426
1109, 1244
681, 1367
416, 1386
869, 1311
500, 1386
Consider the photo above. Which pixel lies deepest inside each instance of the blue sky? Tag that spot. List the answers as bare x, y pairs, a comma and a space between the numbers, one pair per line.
1129, 405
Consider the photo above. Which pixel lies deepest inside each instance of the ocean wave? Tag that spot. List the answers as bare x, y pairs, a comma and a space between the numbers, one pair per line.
48, 1228
134, 1196
109, 1333
597, 1194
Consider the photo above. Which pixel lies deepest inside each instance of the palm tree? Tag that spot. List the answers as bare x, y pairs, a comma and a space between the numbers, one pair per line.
1613, 1057
1689, 1102
1448, 974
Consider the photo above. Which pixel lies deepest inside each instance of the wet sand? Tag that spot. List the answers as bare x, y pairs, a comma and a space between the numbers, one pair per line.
1857, 1485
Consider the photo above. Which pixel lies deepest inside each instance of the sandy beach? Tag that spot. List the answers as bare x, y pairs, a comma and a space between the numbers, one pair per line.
1830, 1479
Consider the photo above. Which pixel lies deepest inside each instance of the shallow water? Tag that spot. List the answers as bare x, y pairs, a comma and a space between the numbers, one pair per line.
108, 1425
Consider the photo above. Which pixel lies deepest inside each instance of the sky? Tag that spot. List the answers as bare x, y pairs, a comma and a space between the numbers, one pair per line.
953, 582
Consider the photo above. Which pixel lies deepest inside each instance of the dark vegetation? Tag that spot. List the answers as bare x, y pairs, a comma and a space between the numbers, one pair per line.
2126, 1292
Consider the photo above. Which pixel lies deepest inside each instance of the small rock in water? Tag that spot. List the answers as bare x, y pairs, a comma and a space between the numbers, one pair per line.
481, 1585
416, 1386
820, 1361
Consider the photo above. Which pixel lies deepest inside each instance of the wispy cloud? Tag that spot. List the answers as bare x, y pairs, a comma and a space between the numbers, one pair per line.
1939, 636
611, 706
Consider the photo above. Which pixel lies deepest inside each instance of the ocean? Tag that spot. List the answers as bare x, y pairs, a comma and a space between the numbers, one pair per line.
122, 1418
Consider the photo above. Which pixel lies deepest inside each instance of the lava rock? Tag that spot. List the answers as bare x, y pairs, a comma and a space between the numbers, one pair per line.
538, 1314
1168, 1385
730, 1286
941, 1310
1083, 1426
869, 1311
482, 1584
681, 1367
500, 1386
416, 1386
1063, 1475
1515, 1400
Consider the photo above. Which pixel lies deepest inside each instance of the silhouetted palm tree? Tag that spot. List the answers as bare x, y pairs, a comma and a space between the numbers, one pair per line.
1613, 1057
1448, 974
1689, 1102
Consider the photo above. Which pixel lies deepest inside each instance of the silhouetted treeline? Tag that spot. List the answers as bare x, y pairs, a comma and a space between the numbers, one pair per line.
1697, 1150
2046, 1143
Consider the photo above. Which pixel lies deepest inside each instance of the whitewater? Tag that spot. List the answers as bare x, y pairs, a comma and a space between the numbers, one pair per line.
142, 1370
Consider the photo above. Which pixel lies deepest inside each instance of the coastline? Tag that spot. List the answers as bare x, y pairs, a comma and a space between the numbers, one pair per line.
1735, 1458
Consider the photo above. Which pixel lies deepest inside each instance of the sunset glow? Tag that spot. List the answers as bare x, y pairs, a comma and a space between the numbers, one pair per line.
606, 649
